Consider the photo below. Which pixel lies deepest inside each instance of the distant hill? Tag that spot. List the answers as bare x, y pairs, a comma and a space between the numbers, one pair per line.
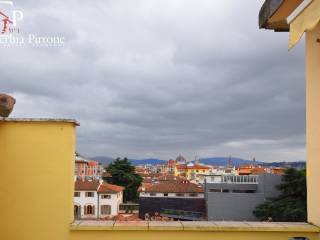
215, 161
107, 160
297, 164
223, 161
151, 161
103, 160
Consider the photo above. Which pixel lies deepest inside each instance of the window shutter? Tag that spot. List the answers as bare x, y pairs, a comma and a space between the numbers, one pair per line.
93, 209
85, 210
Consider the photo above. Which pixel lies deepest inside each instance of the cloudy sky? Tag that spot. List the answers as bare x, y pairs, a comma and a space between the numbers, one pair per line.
151, 78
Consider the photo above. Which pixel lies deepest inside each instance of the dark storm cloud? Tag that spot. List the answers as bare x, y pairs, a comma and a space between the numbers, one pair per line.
157, 78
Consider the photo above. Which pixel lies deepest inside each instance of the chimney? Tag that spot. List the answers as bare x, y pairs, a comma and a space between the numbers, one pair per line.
100, 181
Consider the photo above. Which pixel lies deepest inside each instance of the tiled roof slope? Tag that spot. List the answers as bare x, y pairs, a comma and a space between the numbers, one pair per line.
174, 187
86, 185
192, 167
109, 188
95, 185
170, 177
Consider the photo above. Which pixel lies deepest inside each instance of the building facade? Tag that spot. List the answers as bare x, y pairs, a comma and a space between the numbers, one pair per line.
192, 172
235, 197
172, 199
87, 169
96, 199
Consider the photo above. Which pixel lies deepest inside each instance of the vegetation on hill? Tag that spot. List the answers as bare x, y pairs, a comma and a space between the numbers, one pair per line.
291, 204
123, 174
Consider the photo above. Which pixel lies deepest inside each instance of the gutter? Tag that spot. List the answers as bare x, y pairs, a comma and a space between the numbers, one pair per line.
298, 10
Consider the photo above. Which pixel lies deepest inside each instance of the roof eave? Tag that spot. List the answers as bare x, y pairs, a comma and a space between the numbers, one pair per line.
274, 13
267, 10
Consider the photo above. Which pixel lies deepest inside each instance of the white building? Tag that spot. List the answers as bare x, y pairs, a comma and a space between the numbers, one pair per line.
96, 199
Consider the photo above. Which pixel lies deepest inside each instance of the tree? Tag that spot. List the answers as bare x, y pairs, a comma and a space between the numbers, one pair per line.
291, 204
123, 174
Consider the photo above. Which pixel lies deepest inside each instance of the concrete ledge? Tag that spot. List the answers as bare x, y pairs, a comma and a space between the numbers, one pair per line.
39, 120
209, 226
166, 226
131, 225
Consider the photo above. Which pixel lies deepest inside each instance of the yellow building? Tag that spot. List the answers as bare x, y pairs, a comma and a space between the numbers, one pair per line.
299, 17
36, 194
191, 171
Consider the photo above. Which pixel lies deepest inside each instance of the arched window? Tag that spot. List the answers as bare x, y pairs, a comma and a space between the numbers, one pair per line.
89, 210
77, 211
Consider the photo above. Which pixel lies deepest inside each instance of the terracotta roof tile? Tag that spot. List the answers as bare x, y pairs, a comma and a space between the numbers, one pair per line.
96, 186
109, 188
174, 187
86, 185
170, 177
192, 167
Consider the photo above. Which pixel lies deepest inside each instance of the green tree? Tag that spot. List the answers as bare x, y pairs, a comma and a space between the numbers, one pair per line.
123, 174
291, 204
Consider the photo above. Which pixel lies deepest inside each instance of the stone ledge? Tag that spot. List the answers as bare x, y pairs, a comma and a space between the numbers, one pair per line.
39, 120
212, 226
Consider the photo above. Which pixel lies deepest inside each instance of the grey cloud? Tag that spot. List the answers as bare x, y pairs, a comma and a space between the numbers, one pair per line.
155, 79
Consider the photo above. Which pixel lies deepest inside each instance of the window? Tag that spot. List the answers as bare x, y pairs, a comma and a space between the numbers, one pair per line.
238, 191
77, 211
193, 195
89, 210
179, 194
215, 190
76, 194
165, 194
225, 190
89, 194
153, 194
106, 209
250, 191
106, 196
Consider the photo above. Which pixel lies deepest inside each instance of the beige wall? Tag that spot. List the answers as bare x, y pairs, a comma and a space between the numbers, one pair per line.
313, 123
36, 192
36, 180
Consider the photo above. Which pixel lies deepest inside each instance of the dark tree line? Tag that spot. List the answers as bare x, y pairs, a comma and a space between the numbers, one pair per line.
291, 204
123, 174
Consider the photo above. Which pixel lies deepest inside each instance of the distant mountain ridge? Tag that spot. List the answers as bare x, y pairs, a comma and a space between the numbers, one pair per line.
215, 161
103, 160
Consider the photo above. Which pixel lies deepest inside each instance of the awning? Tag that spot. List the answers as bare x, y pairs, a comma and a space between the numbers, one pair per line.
307, 20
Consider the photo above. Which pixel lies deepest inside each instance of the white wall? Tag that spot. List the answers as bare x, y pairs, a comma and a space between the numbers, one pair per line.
83, 201
114, 202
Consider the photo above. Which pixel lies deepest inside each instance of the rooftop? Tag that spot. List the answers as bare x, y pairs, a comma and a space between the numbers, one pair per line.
184, 166
95, 185
174, 187
40, 120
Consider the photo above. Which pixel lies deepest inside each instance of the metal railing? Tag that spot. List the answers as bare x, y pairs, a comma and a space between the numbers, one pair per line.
235, 179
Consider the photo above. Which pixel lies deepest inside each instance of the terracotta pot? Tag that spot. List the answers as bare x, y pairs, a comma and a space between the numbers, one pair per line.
6, 104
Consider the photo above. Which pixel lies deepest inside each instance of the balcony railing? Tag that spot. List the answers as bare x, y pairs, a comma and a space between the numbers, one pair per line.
234, 179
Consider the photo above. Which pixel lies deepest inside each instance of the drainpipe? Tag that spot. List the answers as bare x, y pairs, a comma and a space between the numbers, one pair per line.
98, 210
